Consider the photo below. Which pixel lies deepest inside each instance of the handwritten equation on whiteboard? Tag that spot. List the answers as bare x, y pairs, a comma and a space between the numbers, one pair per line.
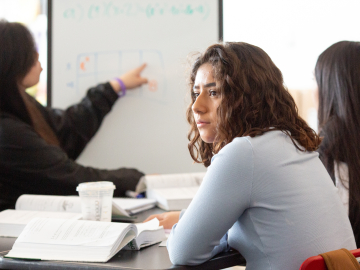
96, 67
110, 9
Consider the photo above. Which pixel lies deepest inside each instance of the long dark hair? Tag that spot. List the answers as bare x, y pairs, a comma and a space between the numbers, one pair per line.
337, 74
254, 100
17, 56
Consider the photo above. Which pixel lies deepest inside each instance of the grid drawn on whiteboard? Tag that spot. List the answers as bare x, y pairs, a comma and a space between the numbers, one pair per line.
96, 67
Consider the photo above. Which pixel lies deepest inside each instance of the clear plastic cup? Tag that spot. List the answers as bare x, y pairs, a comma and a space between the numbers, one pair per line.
96, 200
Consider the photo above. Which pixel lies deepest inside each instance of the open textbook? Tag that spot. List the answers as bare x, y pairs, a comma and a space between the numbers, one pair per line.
149, 233
173, 191
80, 240
124, 207
12, 222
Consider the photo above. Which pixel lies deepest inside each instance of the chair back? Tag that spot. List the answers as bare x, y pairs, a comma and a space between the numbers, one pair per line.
318, 263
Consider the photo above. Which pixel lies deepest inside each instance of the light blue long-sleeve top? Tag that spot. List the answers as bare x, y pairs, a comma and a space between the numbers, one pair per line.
263, 197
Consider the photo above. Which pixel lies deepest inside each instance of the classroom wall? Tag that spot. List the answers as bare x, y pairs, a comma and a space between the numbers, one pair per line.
293, 33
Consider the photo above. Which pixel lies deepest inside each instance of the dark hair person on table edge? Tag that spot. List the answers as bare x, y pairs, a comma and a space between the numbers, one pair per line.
337, 75
266, 192
38, 145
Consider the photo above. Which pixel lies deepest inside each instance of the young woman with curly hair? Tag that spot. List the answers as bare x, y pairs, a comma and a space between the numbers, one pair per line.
337, 75
265, 192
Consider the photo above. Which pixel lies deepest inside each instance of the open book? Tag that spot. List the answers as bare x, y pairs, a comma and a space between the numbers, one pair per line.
12, 222
121, 207
149, 233
173, 191
77, 240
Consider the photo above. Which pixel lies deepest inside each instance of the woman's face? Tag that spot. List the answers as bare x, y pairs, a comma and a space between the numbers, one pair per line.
207, 100
32, 77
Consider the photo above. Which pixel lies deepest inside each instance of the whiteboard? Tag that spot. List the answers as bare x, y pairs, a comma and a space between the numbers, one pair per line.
92, 41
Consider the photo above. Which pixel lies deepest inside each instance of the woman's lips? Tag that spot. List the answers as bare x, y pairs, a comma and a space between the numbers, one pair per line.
202, 123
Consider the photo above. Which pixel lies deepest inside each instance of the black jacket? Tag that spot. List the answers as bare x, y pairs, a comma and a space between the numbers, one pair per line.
28, 165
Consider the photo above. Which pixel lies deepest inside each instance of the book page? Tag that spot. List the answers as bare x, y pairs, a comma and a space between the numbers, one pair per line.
118, 211
70, 204
149, 233
49, 203
150, 225
167, 234
176, 193
73, 232
129, 204
23, 217
174, 180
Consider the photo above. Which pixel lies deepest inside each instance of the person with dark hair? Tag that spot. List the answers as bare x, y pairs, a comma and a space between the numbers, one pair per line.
266, 192
337, 74
38, 145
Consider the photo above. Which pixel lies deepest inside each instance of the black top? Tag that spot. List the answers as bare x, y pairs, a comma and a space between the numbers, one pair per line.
28, 165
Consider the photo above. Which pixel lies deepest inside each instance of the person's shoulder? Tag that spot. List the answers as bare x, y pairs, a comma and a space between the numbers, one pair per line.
247, 142
240, 142
12, 128
233, 160
9, 121
271, 139
238, 147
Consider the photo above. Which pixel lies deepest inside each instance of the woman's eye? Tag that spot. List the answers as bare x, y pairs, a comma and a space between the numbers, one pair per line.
195, 95
213, 93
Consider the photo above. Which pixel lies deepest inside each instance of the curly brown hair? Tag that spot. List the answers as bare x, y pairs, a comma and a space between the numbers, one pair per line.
254, 100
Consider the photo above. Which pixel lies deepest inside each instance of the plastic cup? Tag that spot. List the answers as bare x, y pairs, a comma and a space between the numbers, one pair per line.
96, 200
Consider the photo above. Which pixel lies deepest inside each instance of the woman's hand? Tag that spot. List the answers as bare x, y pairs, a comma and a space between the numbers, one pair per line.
131, 79
167, 220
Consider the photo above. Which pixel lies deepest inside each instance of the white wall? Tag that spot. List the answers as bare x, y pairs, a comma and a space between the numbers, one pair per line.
293, 32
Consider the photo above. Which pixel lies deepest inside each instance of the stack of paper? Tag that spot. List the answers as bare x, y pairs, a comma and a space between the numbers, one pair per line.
133, 206
173, 191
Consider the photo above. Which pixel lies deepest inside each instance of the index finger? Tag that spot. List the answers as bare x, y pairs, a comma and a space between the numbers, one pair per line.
152, 217
141, 68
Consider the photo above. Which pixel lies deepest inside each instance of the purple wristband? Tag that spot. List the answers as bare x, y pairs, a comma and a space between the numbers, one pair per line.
122, 86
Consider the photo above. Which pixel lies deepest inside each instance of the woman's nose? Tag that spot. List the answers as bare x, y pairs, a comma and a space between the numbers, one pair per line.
199, 105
